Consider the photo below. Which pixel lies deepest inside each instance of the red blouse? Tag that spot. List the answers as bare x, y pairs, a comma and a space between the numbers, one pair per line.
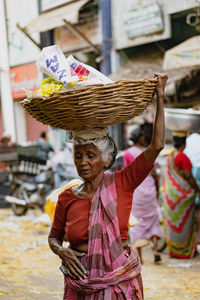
182, 162
72, 213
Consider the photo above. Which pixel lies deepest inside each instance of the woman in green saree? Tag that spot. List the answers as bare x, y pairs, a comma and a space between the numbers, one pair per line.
180, 190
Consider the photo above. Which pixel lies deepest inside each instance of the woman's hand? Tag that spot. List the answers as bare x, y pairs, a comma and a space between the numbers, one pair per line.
73, 266
69, 257
162, 80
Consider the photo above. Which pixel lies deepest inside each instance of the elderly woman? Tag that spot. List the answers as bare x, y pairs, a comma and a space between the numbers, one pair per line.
99, 264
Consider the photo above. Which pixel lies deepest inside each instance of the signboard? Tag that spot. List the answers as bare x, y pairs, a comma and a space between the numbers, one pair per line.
24, 76
144, 20
21, 49
69, 41
139, 22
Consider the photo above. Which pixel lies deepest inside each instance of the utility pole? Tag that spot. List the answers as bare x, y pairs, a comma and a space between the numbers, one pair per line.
7, 105
106, 31
110, 59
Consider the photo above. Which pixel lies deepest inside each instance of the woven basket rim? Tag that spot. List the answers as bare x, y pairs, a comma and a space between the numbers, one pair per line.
97, 105
100, 85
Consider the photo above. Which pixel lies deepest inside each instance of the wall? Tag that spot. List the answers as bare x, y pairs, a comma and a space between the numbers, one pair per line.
20, 123
21, 52
21, 49
1, 126
23, 76
34, 128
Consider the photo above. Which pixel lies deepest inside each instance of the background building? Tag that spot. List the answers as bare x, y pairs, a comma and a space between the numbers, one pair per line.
122, 38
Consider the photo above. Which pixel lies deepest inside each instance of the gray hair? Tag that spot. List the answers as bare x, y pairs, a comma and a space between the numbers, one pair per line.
105, 145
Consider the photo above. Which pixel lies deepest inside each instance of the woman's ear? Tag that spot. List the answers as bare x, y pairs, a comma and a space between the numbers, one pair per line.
107, 164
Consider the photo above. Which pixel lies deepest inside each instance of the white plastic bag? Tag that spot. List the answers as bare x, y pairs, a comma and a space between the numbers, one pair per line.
70, 71
52, 62
85, 74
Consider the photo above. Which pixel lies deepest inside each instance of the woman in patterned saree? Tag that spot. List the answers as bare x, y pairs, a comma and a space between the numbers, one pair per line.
98, 263
180, 190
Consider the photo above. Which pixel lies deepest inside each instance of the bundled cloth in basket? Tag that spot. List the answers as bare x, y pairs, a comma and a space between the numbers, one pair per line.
84, 97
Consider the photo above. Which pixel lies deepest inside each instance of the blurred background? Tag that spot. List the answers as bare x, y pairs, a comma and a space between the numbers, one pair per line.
122, 39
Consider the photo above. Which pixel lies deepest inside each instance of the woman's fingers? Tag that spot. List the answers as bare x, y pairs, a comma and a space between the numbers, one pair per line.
77, 262
80, 267
77, 253
78, 270
162, 77
162, 80
71, 275
77, 266
73, 265
72, 269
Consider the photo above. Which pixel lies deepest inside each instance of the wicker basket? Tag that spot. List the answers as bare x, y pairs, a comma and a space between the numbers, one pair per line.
93, 105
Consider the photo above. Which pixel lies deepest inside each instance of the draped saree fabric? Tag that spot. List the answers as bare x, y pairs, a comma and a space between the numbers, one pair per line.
113, 271
179, 204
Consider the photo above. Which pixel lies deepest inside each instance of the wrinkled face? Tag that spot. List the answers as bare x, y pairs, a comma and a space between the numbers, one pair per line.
88, 161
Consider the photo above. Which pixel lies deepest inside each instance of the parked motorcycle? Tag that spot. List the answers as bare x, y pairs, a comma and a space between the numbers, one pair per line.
5, 188
30, 191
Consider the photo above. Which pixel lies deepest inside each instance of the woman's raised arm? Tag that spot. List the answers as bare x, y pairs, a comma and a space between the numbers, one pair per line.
158, 138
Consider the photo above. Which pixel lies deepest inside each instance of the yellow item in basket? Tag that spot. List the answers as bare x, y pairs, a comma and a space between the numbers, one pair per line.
49, 86
50, 205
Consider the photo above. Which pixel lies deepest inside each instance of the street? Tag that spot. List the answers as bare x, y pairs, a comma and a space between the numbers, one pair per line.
29, 270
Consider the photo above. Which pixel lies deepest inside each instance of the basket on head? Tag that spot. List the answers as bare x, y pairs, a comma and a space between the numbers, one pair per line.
98, 105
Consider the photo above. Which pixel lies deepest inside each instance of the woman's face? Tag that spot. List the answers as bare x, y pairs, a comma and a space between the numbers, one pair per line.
88, 161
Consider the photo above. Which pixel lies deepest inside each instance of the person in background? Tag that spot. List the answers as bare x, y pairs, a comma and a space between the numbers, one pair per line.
63, 165
144, 204
6, 146
44, 147
192, 150
147, 129
6, 141
180, 190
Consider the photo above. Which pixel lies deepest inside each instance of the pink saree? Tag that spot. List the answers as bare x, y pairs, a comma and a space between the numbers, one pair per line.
114, 273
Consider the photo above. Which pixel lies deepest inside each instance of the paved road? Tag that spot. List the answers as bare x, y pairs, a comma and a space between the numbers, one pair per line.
29, 270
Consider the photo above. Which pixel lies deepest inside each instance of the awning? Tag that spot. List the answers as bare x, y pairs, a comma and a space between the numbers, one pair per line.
54, 18
185, 54
182, 85
146, 64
